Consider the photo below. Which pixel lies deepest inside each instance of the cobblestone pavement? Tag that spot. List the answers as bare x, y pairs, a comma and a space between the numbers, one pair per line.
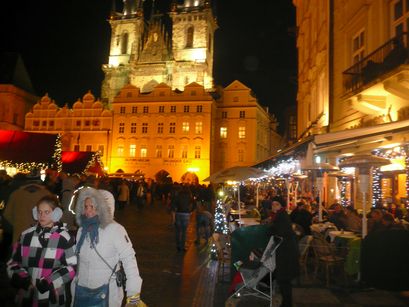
185, 279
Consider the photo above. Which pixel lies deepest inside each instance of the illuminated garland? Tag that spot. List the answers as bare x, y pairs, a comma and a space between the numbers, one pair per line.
58, 153
285, 167
95, 157
220, 223
344, 201
406, 149
24, 167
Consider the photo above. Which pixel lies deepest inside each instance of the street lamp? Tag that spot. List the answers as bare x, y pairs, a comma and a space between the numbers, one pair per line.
364, 163
318, 170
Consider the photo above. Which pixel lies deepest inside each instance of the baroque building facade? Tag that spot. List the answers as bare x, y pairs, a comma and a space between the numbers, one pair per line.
353, 95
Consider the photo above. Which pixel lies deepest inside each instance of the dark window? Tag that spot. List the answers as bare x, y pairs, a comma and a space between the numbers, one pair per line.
242, 114
144, 127
51, 123
134, 110
224, 114
145, 109
161, 109
189, 37
124, 43
173, 109
199, 109
186, 109
122, 110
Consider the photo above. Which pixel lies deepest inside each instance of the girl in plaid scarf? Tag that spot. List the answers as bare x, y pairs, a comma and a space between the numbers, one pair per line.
43, 259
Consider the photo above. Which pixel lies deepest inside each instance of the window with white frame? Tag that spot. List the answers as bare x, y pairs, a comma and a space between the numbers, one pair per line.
184, 151
400, 17
197, 152
132, 150
223, 132
198, 127
158, 153
144, 151
242, 132
358, 46
186, 109
172, 109
161, 109
144, 127
172, 127
160, 128
171, 151
185, 127
133, 127
121, 127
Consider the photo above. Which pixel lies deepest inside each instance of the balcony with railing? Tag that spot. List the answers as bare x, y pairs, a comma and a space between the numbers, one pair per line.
387, 57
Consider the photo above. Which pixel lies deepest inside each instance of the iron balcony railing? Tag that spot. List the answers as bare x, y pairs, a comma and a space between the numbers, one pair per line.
382, 60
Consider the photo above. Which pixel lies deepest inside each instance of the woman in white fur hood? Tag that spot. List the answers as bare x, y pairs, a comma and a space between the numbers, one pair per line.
101, 244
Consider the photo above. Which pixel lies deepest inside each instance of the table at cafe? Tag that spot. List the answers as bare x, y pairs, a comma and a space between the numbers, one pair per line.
248, 221
349, 245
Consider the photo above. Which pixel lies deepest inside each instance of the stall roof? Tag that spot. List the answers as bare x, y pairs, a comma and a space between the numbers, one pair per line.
23, 147
77, 162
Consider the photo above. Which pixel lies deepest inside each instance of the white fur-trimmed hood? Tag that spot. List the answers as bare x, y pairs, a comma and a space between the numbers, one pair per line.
100, 202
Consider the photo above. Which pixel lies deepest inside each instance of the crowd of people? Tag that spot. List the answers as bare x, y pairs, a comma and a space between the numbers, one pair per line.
61, 231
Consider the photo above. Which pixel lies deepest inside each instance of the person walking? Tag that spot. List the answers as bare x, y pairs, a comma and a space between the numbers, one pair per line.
287, 253
102, 246
181, 206
123, 194
43, 259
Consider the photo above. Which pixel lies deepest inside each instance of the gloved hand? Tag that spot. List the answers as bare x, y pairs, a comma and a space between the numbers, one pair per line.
20, 282
133, 301
43, 285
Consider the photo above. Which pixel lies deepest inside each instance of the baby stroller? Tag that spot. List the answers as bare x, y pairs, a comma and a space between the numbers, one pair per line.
253, 273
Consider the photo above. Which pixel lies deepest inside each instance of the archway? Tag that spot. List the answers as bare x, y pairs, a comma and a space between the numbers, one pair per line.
189, 178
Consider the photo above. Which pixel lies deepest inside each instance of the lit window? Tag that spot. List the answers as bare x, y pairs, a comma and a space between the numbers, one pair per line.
121, 127
185, 127
172, 128
160, 128
161, 109
144, 152
120, 150
158, 151
198, 127
184, 152
144, 127
172, 109
134, 110
171, 151
199, 109
242, 114
133, 127
122, 110
145, 109
223, 132
132, 150
197, 152
186, 109
242, 132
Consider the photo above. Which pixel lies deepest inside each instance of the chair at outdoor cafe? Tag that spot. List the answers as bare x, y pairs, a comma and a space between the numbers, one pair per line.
326, 256
223, 250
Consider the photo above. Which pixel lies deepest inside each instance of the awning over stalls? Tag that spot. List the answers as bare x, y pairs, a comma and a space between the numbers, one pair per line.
18, 147
82, 162
299, 149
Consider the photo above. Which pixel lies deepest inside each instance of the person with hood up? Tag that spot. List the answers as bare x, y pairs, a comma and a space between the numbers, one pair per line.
43, 259
102, 244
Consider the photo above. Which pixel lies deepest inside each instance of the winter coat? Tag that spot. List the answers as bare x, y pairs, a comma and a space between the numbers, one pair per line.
19, 207
43, 252
287, 253
113, 245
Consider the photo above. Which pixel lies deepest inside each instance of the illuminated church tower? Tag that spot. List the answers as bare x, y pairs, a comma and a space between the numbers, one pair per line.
126, 37
144, 54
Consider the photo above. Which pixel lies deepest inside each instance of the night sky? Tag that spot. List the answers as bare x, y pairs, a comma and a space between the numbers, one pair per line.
65, 42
